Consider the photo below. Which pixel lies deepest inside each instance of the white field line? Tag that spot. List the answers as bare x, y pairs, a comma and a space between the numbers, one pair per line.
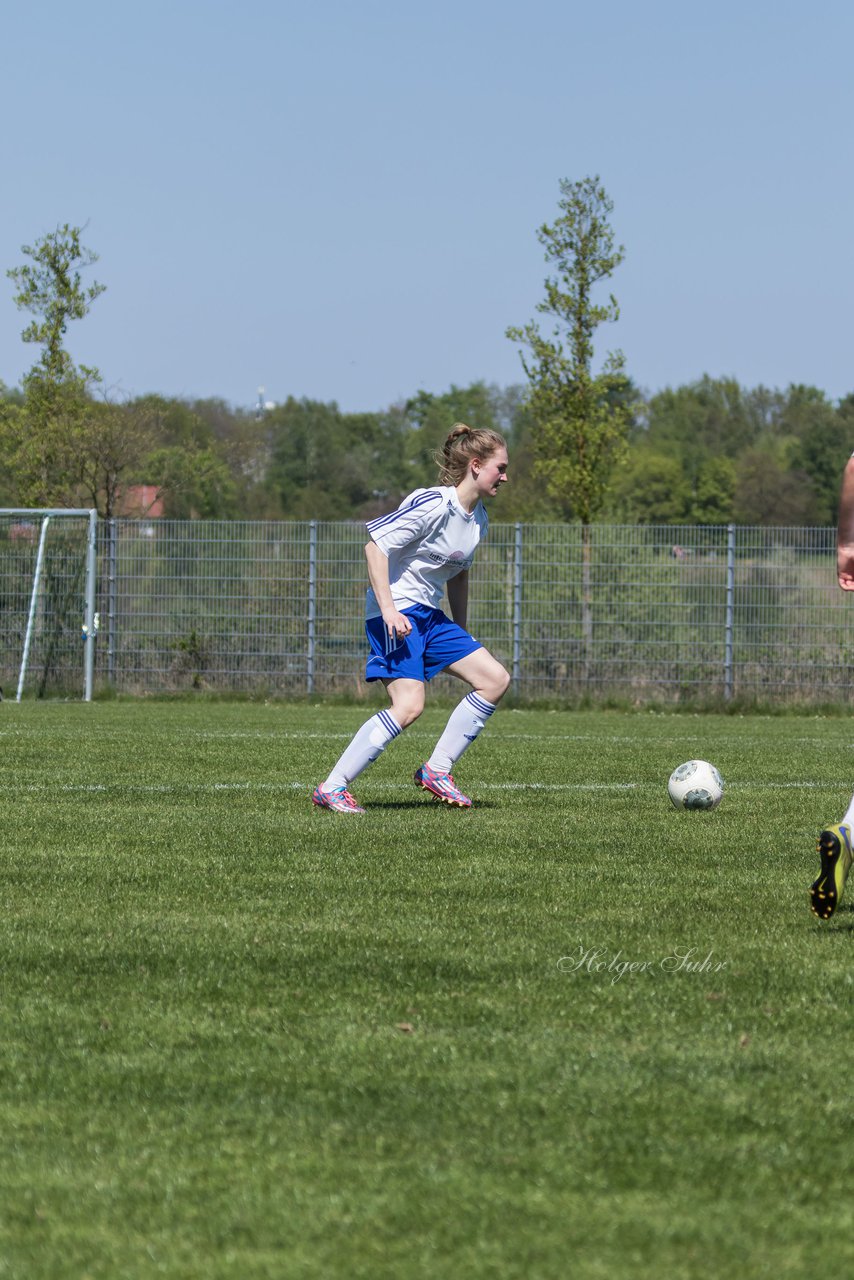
179, 788
495, 734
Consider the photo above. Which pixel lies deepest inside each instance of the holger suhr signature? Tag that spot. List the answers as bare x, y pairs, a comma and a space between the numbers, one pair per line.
615, 965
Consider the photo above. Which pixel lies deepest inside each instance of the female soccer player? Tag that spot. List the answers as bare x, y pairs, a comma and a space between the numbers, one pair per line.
414, 552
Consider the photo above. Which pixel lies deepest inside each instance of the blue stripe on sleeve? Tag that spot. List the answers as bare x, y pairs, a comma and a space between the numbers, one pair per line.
432, 495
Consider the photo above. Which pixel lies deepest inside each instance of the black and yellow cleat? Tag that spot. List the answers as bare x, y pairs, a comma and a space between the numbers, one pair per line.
834, 849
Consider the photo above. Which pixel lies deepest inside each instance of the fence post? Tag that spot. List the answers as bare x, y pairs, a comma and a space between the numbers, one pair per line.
312, 603
112, 620
517, 606
730, 610
89, 628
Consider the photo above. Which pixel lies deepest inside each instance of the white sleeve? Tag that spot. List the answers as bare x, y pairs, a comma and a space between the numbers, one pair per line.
415, 516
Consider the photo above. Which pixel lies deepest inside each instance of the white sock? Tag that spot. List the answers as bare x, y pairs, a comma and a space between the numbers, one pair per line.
465, 724
849, 814
372, 739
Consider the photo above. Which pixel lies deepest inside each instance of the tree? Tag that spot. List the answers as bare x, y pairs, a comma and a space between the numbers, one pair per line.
195, 483
329, 465
714, 492
47, 439
188, 460
821, 446
581, 418
708, 418
51, 288
40, 443
9, 414
652, 489
119, 440
768, 493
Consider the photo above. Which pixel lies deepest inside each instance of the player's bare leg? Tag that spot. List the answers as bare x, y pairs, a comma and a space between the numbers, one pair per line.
407, 703
489, 682
407, 699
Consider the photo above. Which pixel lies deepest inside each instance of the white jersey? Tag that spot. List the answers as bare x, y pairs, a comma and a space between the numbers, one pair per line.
429, 539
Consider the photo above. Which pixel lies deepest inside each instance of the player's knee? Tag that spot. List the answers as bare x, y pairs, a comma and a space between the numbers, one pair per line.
503, 681
408, 710
497, 684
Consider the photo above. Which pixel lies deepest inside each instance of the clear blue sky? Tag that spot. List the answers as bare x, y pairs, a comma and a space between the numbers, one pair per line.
339, 200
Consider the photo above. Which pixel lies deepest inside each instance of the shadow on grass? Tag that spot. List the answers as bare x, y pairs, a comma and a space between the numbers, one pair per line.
426, 805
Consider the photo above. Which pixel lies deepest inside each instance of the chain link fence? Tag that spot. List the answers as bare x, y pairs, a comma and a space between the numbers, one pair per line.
649, 613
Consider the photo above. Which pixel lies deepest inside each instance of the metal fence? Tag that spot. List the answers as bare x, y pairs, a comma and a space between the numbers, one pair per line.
659, 613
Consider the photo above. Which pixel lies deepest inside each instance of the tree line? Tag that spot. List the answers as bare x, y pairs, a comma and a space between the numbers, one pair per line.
584, 445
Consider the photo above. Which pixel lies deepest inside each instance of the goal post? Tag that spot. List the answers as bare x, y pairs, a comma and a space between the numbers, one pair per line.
48, 583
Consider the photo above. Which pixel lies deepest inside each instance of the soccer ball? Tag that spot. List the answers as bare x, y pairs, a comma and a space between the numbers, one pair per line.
696, 784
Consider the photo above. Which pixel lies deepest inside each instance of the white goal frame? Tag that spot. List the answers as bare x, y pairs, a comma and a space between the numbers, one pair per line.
88, 627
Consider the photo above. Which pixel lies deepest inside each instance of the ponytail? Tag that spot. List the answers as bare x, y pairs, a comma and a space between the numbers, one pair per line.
462, 445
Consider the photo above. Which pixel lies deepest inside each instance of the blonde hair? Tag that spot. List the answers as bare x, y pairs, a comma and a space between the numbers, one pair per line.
462, 445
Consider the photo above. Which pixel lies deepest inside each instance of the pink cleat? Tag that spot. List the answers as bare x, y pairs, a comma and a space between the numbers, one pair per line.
442, 786
338, 799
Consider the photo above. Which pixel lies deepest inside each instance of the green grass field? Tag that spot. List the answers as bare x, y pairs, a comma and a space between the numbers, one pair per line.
245, 1038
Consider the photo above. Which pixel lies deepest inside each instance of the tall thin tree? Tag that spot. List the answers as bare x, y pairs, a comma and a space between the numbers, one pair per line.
581, 417
55, 389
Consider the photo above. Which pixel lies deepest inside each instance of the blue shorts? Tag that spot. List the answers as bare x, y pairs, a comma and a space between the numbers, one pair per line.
433, 644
